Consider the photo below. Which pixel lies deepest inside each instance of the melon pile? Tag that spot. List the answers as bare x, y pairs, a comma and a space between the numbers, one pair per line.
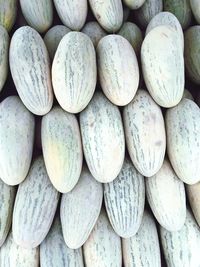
99, 133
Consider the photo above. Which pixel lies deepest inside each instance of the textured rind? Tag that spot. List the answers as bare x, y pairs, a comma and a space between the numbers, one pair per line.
166, 196
166, 18
38, 13
133, 34
134, 4
16, 140
74, 72
143, 248
62, 148
193, 194
145, 133
183, 140
12, 255
35, 206
103, 247
118, 69
94, 31
7, 197
191, 53
181, 248
80, 209
103, 138
30, 69
53, 37
4, 48
124, 200
8, 12
181, 9
195, 6
55, 253
147, 11
72, 13
163, 65
108, 13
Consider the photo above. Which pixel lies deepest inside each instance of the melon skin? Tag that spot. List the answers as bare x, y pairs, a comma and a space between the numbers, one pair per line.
55, 253
124, 200
103, 138
118, 69
145, 133
134, 4
30, 69
4, 50
185, 242
94, 31
163, 71
17, 127
191, 53
193, 194
72, 13
166, 197
195, 9
103, 247
62, 148
38, 14
13, 255
109, 14
74, 72
183, 135
7, 198
35, 206
80, 209
8, 13
143, 249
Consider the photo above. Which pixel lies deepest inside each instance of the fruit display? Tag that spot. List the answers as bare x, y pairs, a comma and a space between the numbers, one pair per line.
99, 133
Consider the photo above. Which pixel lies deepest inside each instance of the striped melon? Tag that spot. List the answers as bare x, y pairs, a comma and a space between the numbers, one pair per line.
12, 255
72, 13
103, 138
188, 95
74, 72
143, 248
4, 48
166, 197
30, 69
183, 135
94, 31
195, 6
126, 13
134, 4
55, 253
163, 65
103, 247
16, 140
38, 13
80, 209
118, 69
62, 149
8, 12
108, 13
145, 133
166, 18
181, 9
193, 193
124, 200
147, 11
35, 206
181, 248
53, 37
7, 197
192, 55
133, 34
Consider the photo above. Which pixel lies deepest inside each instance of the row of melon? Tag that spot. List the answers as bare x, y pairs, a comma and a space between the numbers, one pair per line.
109, 14
85, 225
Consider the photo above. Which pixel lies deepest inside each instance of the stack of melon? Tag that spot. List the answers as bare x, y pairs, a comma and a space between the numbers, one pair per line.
99, 137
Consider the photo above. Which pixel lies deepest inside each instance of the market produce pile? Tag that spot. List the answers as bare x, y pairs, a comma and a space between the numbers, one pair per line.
99, 133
